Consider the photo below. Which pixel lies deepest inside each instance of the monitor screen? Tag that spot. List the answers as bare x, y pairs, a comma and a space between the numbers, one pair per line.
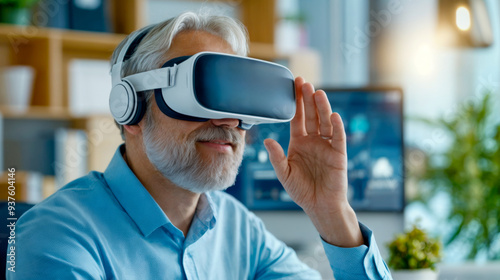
373, 124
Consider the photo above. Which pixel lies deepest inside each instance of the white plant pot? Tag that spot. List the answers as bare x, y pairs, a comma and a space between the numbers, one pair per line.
16, 84
418, 274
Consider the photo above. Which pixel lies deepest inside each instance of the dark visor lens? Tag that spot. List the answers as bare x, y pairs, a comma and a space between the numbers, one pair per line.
244, 86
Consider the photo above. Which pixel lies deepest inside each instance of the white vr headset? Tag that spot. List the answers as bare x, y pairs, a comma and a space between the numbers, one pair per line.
205, 86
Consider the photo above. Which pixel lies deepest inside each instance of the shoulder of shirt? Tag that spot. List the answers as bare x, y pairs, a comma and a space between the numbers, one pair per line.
73, 195
92, 182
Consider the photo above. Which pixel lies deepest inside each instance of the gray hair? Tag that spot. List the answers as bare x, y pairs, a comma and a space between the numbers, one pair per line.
150, 53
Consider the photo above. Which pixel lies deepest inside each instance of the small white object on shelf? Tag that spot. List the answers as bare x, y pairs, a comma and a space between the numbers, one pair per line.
16, 85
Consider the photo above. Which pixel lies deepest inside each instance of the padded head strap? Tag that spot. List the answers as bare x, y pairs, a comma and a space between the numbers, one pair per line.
137, 40
126, 52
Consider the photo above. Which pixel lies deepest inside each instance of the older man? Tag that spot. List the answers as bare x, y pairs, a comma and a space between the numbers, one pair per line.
157, 212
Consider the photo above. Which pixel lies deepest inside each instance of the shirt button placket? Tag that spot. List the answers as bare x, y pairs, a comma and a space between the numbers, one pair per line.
189, 268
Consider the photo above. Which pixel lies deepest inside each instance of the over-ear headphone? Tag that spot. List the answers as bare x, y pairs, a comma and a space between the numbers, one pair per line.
126, 106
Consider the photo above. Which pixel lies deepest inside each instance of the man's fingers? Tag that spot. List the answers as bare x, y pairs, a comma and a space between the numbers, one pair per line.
277, 158
311, 116
297, 127
339, 137
324, 113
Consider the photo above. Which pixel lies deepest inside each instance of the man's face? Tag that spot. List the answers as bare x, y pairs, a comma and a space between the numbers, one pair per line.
197, 156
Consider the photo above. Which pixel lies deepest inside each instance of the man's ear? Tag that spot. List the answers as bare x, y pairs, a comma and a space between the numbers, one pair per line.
134, 129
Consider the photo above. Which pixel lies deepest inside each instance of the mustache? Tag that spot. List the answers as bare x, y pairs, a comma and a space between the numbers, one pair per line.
218, 133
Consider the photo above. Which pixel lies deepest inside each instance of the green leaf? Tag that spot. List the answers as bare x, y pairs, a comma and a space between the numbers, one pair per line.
469, 171
18, 3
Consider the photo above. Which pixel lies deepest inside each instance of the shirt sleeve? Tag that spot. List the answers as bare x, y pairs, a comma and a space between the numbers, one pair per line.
362, 262
275, 260
49, 248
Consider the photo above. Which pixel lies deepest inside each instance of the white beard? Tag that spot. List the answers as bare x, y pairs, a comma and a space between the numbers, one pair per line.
183, 165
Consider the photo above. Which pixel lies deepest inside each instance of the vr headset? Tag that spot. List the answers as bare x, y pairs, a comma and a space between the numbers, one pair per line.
205, 86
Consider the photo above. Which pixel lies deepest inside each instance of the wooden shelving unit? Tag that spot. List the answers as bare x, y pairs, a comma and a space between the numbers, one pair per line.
49, 51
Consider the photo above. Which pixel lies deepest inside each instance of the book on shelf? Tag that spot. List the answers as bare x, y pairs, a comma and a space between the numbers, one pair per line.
71, 154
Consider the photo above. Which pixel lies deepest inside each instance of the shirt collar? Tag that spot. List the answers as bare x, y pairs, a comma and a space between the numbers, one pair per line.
206, 210
132, 195
204, 219
141, 206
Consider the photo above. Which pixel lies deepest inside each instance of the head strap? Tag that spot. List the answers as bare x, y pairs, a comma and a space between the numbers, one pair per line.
126, 52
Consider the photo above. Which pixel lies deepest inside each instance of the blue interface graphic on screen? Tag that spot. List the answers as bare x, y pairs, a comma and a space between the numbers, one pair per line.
373, 124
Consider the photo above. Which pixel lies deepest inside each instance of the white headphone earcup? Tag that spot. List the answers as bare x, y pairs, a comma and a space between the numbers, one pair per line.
122, 102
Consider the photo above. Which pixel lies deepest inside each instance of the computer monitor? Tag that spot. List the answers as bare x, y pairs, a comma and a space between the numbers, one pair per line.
373, 120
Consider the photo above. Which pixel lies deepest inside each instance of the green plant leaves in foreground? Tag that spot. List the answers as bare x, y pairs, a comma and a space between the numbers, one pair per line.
469, 171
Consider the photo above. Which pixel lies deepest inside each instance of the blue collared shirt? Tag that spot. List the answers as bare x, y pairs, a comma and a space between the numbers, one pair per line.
107, 226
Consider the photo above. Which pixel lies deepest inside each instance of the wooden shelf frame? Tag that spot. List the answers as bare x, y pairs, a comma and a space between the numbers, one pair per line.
50, 50
36, 112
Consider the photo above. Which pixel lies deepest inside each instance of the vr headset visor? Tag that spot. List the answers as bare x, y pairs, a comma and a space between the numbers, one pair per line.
211, 85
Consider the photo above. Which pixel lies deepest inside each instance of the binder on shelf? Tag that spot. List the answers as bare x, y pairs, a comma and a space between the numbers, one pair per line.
51, 13
89, 15
1, 142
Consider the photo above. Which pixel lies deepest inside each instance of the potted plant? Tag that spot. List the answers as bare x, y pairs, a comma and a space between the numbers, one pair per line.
16, 11
468, 172
413, 255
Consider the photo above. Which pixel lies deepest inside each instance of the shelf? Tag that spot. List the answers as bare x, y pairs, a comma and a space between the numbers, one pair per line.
71, 39
46, 113
94, 41
36, 112
49, 52
88, 41
9, 32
